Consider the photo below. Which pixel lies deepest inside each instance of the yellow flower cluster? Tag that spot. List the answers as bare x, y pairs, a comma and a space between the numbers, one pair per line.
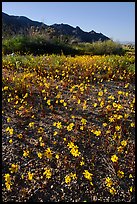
14, 168
83, 121
74, 149
97, 132
69, 177
70, 126
57, 124
30, 176
68, 83
26, 153
120, 174
10, 130
48, 153
109, 183
31, 125
8, 181
47, 173
114, 158
87, 175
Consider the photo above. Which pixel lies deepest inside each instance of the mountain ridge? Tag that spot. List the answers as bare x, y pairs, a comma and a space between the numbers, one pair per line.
17, 24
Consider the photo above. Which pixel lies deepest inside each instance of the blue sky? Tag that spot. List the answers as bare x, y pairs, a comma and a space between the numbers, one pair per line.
114, 19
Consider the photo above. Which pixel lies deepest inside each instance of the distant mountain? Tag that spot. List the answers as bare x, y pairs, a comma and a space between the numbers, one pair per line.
127, 42
78, 33
21, 24
18, 21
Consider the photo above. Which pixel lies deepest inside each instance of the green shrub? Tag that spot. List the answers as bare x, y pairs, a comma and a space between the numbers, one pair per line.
102, 48
36, 45
39, 45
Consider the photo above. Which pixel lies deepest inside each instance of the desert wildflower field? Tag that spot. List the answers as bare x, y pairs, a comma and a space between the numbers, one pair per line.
68, 128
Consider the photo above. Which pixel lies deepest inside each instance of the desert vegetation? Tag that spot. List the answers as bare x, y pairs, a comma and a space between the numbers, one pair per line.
68, 122
39, 44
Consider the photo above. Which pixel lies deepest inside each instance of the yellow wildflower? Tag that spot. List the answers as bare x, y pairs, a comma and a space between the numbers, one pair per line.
120, 174
70, 144
95, 105
26, 95
54, 124
7, 129
131, 189
126, 85
99, 99
112, 190
82, 163
108, 182
111, 97
119, 116
117, 128
30, 176
67, 179
11, 131
40, 130
14, 168
119, 106
100, 93
55, 133
130, 176
10, 141
25, 153
97, 132
20, 135
78, 101
114, 105
111, 119
104, 124
59, 125
57, 156
87, 175
73, 175
47, 172
70, 126
126, 115
74, 151
132, 124
61, 101
40, 139
8, 120
120, 92
48, 153
114, 158
5, 88
39, 154
120, 149
48, 102
102, 104
81, 128
31, 124
42, 144
8, 186
64, 104
7, 178
124, 143
83, 121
